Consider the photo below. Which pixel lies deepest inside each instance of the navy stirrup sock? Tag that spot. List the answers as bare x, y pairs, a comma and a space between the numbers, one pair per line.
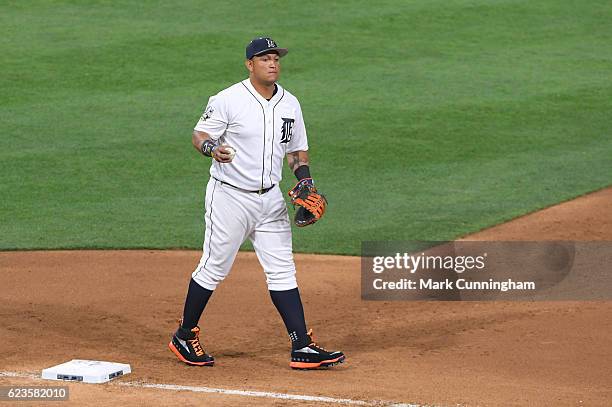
197, 298
289, 306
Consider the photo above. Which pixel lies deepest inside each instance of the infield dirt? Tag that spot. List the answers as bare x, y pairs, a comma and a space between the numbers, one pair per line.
123, 305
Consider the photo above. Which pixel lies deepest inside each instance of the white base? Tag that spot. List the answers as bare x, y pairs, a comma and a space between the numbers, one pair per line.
87, 371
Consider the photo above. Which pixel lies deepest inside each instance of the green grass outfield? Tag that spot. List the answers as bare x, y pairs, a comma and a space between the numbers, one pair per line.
426, 119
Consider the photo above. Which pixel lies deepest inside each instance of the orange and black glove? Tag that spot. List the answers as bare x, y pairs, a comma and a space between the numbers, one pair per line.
310, 204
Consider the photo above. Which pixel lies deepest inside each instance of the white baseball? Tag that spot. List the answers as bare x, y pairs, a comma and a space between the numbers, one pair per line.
231, 150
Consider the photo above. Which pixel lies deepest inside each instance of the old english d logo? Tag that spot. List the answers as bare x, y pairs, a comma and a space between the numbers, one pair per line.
287, 130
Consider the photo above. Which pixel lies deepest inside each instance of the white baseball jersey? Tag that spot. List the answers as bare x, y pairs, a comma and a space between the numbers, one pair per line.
261, 131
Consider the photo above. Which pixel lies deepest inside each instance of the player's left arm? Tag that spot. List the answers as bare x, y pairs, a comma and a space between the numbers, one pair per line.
310, 203
297, 159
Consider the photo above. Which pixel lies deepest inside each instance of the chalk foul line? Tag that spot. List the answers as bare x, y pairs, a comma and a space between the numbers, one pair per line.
232, 392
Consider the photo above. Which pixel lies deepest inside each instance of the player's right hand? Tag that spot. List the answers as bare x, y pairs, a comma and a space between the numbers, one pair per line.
223, 153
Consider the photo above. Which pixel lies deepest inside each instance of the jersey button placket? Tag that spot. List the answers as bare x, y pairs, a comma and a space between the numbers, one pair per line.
269, 125
269, 131
265, 145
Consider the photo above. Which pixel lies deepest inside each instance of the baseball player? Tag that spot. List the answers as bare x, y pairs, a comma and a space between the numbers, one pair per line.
247, 130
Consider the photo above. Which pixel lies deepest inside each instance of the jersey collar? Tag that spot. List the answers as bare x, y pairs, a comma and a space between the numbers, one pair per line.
260, 98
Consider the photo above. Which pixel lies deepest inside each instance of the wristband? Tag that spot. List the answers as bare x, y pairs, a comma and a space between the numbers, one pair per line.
302, 172
207, 148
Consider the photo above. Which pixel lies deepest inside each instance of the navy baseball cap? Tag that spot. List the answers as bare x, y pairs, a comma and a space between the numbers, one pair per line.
263, 45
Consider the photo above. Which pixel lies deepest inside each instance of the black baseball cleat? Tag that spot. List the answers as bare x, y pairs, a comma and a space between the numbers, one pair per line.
185, 344
314, 356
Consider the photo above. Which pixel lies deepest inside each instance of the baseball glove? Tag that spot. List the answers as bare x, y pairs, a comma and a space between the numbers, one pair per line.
310, 204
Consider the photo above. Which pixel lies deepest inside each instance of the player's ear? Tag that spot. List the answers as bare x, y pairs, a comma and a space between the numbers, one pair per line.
249, 64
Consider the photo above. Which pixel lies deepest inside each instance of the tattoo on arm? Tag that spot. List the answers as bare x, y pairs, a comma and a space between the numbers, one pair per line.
297, 158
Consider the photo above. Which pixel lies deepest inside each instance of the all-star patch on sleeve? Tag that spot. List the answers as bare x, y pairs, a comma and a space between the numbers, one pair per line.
214, 119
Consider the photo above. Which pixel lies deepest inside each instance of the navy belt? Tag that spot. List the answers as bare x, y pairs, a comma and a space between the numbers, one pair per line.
259, 191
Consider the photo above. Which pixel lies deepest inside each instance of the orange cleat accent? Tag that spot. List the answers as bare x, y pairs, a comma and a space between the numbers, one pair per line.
182, 359
185, 344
